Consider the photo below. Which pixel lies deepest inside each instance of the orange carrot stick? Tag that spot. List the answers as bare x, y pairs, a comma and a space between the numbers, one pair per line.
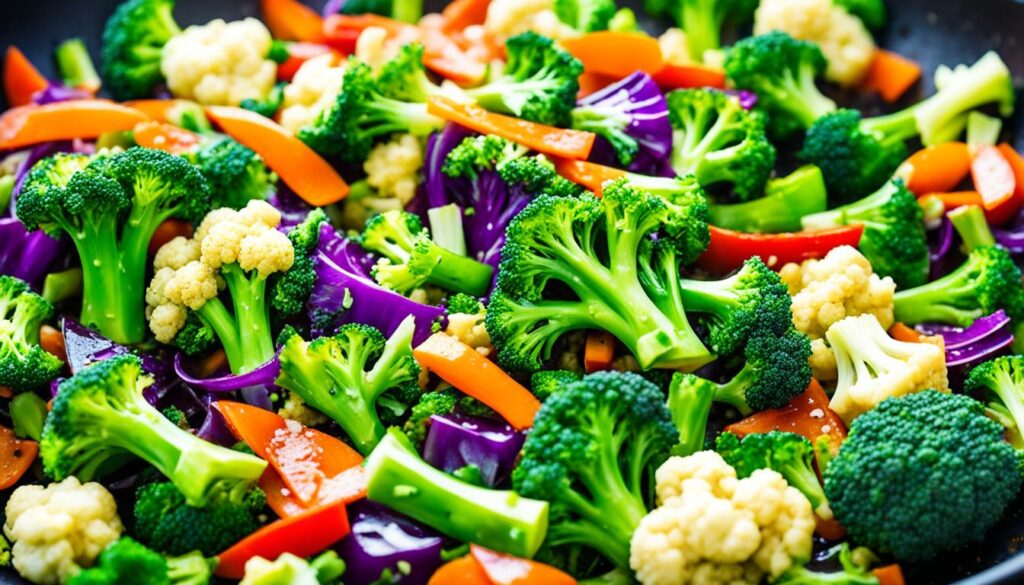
459, 14
167, 231
52, 342
951, 201
462, 571
889, 575
890, 75
153, 134
6, 392
617, 54
936, 169
993, 176
291, 20
311, 177
16, 456
27, 125
463, 367
901, 332
21, 79
590, 175
503, 569
155, 109
599, 351
571, 144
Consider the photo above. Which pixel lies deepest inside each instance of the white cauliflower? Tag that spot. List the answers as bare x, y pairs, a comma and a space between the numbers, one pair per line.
469, 329
393, 167
674, 49
873, 366
220, 63
294, 408
825, 291
507, 18
311, 92
60, 528
843, 38
288, 568
713, 528
176, 253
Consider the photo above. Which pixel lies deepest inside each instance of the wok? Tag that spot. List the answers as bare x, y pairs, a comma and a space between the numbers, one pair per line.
931, 33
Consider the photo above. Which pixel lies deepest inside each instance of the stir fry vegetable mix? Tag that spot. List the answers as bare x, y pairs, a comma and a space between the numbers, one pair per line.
372, 296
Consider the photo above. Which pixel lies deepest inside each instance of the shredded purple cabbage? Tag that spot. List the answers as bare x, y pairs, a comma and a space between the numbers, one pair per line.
382, 539
748, 99
969, 346
293, 209
24, 254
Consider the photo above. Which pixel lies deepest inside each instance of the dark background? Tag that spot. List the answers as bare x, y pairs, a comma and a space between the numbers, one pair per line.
930, 32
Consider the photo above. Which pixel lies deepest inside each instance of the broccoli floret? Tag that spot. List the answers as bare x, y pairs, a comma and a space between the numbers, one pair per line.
24, 365
586, 15
127, 561
463, 303
194, 338
593, 446
688, 217
269, 105
538, 83
689, 400
787, 453
403, 10
894, 238
615, 278
849, 573
343, 376
431, 403
497, 519
1002, 381
111, 207
786, 201
75, 65
165, 521
776, 370
234, 172
292, 289
100, 418
703, 20
479, 153
859, 155
133, 41
781, 70
871, 12
719, 142
404, 77
986, 282
922, 474
411, 258
546, 382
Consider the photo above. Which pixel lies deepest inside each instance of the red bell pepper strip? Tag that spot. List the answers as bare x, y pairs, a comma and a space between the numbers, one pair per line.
729, 249
27, 125
299, 53
503, 569
807, 415
1017, 164
303, 535
617, 54
686, 76
993, 176
21, 78
588, 174
291, 20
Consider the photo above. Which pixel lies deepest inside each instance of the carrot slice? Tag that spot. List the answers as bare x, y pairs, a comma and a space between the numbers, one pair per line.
936, 169
593, 82
807, 414
599, 351
571, 144
27, 125
446, 58
590, 175
890, 75
155, 109
993, 176
291, 20
901, 332
616, 53
462, 571
153, 134
302, 169
889, 575
459, 14
463, 367
16, 456
21, 78
503, 569
6, 392
167, 231
52, 342
687, 76
348, 486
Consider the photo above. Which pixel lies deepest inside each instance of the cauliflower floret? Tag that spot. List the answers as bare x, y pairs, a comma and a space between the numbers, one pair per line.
266, 252
843, 38
393, 168
312, 91
469, 329
825, 291
294, 408
60, 528
220, 62
873, 366
191, 286
673, 45
507, 18
176, 253
713, 528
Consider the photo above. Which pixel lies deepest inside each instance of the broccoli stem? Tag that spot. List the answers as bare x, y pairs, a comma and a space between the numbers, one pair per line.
812, 103
786, 200
937, 300
734, 392
894, 128
112, 292
972, 226
75, 64
357, 415
690, 405
500, 520
850, 213
702, 25
252, 318
803, 478
459, 273
944, 115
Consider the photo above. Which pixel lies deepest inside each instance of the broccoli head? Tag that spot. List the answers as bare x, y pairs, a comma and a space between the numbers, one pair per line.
544, 383
463, 303
127, 561
234, 173
24, 365
133, 42
1002, 381
586, 15
871, 12
775, 371
292, 289
922, 474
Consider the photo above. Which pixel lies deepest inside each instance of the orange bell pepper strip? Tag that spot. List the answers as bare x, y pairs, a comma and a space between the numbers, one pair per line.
16, 456
28, 125
890, 75
167, 231
303, 535
807, 415
463, 367
446, 58
154, 108
571, 144
901, 332
347, 487
951, 201
1017, 164
588, 174
503, 569
593, 82
993, 176
729, 249
617, 54
687, 76
21, 78
459, 14
52, 342
936, 169
598, 351
462, 571
302, 169
889, 575
166, 137
291, 20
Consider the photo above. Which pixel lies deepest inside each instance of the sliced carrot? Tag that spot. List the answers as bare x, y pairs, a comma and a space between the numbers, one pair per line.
166, 137
27, 125
21, 78
889, 575
807, 414
52, 342
303, 535
590, 175
167, 231
901, 332
829, 529
302, 169
686, 76
462, 571
155, 109
16, 456
993, 176
598, 351
593, 82
348, 486
291, 20
6, 392
503, 569
463, 367
459, 14
936, 169
571, 144
890, 75
616, 53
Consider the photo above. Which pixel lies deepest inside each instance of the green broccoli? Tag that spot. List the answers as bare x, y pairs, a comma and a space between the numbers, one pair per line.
524, 175
411, 258
787, 453
463, 303
781, 70
234, 172
894, 238
786, 200
544, 383
689, 401
586, 15
615, 277
166, 522
430, 403
719, 142
404, 10
859, 155
75, 65
100, 419
921, 474
703, 20
292, 289
111, 207
593, 447
24, 365
500, 520
1001, 380
126, 562
871, 12
972, 227
269, 105
849, 573
194, 338
344, 375
133, 42
775, 371
538, 83
688, 214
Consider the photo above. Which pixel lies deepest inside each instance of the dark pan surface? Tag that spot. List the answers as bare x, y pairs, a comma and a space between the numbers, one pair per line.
930, 32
